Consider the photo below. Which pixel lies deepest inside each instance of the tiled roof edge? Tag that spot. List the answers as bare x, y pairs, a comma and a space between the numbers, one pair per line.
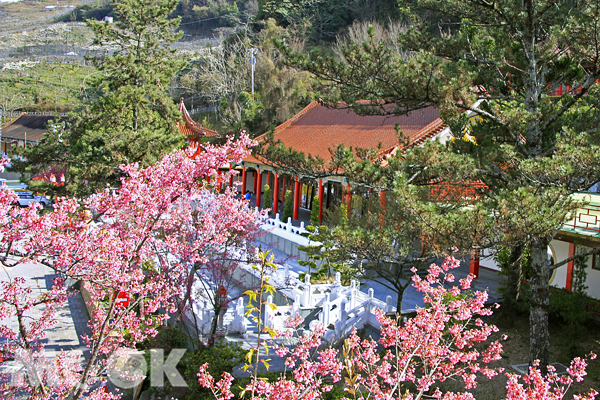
14, 120
427, 132
287, 123
193, 125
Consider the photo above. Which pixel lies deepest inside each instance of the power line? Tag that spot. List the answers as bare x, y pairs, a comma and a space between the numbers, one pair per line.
210, 19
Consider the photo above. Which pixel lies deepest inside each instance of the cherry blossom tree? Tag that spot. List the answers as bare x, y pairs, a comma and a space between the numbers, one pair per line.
143, 240
447, 339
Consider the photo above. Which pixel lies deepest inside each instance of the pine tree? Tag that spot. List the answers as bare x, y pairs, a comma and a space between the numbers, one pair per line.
130, 116
314, 212
517, 80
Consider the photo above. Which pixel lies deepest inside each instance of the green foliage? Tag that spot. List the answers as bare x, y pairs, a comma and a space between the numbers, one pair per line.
524, 142
43, 87
343, 216
167, 338
96, 11
288, 206
314, 212
220, 77
570, 308
515, 264
222, 357
254, 310
268, 198
132, 118
202, 17
579, 276
326, 19
323, 256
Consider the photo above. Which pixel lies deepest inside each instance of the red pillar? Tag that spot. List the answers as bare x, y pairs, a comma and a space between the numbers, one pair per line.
254, 183
219, 180
475, 263
230, 178
570, 266
296, 198
321, 201
243, 180
275, 192
348, 198
382, 212
258, 187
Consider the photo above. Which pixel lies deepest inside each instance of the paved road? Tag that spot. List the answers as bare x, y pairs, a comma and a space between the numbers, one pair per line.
7, 25
71, 320
488, 281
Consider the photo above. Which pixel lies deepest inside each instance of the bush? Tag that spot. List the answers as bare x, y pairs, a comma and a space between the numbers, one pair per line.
267, 198
314, 212
168, 338
288, 208
570, 310
221, 358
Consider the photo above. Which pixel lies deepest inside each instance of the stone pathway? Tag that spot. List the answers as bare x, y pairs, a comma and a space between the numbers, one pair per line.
71, 320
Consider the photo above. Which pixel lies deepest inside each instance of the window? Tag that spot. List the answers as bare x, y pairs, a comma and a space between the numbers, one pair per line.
596, 262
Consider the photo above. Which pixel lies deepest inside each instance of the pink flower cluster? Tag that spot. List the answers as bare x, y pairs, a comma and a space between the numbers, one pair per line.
143, 241
446, 339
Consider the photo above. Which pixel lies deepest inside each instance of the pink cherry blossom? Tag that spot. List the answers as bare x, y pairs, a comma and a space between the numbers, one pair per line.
445, 340
149, 240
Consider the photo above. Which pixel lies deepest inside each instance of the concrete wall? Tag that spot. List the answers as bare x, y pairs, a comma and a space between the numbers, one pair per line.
285, 245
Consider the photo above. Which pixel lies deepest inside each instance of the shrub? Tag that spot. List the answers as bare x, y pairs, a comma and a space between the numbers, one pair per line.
288, 207
222, 357
314, 212
267, 198
168, 338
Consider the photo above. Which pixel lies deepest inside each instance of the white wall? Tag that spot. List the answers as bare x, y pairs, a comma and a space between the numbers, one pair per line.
593, 282
560, 251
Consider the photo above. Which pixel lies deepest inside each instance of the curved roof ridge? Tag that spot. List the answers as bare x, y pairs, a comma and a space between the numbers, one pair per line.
194, 126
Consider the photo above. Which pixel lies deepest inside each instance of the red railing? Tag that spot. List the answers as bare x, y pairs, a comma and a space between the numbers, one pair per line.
455, 192
588, 218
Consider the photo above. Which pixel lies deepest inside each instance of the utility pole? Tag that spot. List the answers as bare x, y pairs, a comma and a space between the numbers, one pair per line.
252, 53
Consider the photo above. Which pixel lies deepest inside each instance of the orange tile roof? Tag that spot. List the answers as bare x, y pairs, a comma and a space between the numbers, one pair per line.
191, 128
316, 129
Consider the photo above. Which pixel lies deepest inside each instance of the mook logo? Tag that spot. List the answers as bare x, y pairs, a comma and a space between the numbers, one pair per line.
125, 369
128, 368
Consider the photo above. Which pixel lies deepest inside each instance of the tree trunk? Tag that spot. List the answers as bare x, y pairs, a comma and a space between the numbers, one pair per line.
213, 326
540, 298
511, 292
400, 292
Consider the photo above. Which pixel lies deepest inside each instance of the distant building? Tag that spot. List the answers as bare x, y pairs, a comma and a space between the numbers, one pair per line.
26, 130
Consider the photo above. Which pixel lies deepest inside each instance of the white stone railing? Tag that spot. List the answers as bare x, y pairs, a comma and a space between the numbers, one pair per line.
287, 231
343, 306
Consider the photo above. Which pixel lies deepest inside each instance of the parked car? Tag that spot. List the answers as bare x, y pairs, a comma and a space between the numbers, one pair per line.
26, 198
